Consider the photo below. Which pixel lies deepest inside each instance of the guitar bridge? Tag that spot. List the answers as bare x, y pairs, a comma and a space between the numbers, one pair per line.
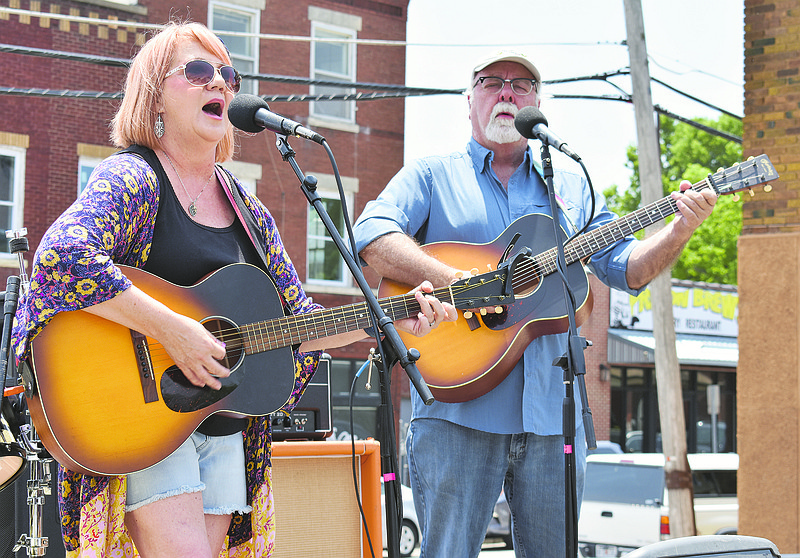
145, 366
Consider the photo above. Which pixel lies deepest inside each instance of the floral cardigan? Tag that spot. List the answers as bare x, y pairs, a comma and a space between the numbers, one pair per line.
74, 267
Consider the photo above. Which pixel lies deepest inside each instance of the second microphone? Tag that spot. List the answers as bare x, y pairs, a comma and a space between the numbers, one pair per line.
251, 113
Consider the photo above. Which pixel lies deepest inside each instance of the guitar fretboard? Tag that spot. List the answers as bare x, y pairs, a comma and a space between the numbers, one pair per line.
602, 237
293, 330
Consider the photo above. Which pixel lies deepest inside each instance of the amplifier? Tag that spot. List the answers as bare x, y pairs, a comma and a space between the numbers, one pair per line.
311, 419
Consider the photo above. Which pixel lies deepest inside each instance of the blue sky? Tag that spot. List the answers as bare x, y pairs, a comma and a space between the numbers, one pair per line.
694, 46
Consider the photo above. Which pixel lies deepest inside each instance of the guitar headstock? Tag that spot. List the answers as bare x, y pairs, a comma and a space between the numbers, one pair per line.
487, 289
743, 176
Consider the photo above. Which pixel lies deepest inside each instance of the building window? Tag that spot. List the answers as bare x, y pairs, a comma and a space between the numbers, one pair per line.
247, 173
325, 266
86, 166
635, 423
243, 50
325, 263
333, 59
12, 188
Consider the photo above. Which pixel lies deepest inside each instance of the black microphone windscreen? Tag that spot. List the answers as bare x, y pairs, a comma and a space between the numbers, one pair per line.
242, 112
526, 119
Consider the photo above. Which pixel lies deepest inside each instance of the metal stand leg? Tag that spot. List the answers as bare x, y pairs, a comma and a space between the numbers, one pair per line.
39, 470
38, 487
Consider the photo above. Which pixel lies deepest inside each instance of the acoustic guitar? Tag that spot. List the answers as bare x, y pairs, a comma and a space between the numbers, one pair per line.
108, 400
467, 358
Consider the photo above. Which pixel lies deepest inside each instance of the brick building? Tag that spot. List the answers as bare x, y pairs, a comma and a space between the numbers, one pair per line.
52, 135
769, 262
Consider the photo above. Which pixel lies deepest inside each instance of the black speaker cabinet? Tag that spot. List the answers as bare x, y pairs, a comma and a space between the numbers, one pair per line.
311, 419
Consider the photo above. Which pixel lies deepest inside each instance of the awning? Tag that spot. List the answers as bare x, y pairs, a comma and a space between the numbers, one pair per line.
627, 346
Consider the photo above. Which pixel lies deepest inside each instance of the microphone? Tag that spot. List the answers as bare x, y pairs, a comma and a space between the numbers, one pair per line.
251, 114
531, 124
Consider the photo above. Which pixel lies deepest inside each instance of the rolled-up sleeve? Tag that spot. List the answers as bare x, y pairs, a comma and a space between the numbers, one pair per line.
403, 206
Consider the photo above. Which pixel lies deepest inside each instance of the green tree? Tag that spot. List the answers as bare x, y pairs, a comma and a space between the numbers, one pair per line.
690, 153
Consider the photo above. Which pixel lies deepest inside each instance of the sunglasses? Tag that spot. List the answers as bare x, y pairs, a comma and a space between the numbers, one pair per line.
200, 73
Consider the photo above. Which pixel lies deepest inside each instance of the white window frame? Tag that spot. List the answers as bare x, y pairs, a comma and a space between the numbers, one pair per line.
254, 15
89, 163
17, 203
346, 279
316, 107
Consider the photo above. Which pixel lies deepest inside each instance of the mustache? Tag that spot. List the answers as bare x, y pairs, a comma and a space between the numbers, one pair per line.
503, 107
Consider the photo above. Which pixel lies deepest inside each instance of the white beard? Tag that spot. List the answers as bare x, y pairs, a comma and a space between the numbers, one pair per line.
502, 131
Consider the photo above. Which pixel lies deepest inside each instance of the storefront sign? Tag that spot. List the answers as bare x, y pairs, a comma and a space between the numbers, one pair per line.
704, 311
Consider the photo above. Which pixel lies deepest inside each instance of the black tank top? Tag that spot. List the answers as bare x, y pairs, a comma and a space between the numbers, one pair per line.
184, 251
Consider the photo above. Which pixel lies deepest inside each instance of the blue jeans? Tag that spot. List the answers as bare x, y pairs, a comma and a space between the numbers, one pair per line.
456, 476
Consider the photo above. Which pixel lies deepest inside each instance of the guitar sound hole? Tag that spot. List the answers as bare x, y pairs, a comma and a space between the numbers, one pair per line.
528, 286
230, 335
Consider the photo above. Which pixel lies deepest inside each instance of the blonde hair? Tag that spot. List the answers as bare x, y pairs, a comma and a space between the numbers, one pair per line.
134, 121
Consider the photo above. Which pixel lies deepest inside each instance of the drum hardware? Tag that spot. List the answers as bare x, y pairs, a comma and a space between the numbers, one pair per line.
19, 445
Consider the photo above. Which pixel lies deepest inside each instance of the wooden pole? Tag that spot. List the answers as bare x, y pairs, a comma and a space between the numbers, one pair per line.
668, 375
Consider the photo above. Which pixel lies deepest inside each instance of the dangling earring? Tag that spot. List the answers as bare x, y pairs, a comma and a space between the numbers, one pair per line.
159, 127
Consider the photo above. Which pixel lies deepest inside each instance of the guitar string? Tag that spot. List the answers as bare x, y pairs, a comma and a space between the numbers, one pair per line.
547, 260
530, 269
291, 328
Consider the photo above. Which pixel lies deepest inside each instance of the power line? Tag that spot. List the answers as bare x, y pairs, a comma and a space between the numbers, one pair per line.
116, 23
379, 90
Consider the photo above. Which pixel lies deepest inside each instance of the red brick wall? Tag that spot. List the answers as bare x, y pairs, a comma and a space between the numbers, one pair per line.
56, 125
596, 330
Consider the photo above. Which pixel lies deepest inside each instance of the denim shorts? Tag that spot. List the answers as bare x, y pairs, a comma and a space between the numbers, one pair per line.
211, 464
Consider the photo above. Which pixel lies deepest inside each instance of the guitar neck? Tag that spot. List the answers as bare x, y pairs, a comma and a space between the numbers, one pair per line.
607, 235
293, 330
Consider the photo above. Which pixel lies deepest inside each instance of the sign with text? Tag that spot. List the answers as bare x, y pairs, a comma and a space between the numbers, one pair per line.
698, 310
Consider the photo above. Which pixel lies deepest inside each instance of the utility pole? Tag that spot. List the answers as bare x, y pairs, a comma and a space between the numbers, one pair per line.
668, 375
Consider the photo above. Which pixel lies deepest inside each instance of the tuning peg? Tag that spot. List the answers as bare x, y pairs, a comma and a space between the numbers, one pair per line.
750, 158
720, 169
483, 311
467, 314
498, 309
768, 188
750, 191
736, 197
459, 274
474, 271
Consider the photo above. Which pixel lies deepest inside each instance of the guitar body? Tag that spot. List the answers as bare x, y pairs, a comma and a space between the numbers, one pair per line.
86, 397
460, 363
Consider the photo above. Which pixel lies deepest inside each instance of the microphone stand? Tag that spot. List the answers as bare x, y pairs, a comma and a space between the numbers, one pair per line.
395, 352
573, 364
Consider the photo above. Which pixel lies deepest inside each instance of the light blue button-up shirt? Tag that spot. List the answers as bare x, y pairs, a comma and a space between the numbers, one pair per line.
459, 198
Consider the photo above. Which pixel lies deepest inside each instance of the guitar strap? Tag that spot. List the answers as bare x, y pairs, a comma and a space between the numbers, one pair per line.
246, 218
242, 212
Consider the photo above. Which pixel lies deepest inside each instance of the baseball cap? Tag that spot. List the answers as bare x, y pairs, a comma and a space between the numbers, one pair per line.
507, 56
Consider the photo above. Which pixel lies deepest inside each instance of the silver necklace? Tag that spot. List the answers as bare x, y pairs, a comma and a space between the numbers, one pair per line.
192, 206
